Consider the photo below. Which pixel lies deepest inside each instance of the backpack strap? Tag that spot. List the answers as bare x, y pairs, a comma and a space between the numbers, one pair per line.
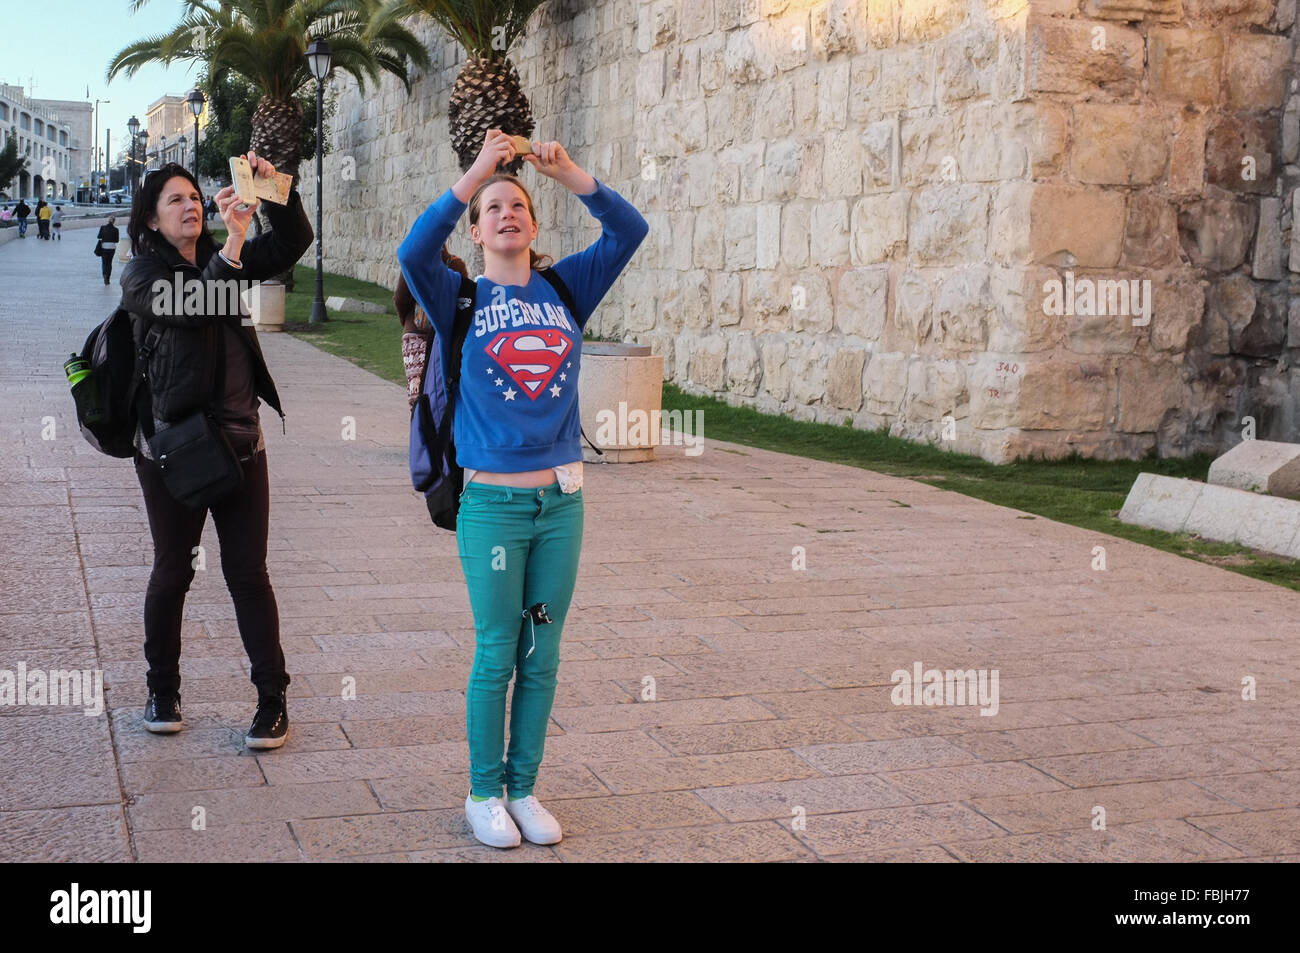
135, 395
562, 290
451, 373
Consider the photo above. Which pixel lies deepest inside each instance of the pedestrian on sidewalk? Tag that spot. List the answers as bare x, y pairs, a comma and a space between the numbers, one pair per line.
56, 222
43, 212
208, 360
516, 429
106, 246
21, 211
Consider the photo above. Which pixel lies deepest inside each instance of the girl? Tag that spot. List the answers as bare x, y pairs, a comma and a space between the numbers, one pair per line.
209, 359
519, 526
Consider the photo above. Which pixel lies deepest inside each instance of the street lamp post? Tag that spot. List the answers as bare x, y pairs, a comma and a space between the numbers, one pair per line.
94, 152
318, 60
182, 155
162, 152
195, 101
133, 127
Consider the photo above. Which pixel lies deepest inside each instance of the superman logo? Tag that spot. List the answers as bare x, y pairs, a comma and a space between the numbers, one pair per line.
531, 358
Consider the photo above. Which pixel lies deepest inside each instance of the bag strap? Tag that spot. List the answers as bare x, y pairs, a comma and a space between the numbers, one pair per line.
451, 373
135, 396
562, 290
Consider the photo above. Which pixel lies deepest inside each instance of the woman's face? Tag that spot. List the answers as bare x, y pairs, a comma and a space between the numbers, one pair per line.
178, 216
504, 225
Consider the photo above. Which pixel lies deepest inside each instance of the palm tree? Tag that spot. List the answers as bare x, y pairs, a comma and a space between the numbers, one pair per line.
265, 42
487, 94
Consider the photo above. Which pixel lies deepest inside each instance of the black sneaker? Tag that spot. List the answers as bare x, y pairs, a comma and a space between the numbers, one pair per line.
162, 713
271, 723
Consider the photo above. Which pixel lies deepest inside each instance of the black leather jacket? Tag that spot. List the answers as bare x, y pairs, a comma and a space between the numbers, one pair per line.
182, 366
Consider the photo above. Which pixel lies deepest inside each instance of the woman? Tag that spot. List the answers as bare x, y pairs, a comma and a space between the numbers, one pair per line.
106, 247
519, 526
208, 360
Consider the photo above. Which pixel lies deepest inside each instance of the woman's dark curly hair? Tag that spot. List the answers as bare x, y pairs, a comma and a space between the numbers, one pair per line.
145, 205
408, 312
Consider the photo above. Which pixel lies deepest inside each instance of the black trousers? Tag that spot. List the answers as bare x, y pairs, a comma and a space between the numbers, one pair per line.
106, 263
242, 523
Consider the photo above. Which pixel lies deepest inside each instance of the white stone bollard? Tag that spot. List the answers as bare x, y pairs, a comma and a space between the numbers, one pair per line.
265, 304
618, 381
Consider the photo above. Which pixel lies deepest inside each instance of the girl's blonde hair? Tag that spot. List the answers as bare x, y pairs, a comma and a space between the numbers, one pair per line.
535, 261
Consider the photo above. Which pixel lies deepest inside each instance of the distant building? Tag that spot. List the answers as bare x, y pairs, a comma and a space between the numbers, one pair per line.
54, 134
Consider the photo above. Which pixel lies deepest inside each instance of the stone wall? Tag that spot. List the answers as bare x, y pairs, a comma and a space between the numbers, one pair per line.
869, 211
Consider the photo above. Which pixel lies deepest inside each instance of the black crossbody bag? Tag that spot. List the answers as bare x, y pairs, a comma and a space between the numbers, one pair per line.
198, 465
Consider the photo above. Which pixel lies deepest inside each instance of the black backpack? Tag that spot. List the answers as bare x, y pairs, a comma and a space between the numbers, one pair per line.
108, 399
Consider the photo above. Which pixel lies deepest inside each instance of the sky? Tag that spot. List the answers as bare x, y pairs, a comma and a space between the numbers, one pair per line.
63, 46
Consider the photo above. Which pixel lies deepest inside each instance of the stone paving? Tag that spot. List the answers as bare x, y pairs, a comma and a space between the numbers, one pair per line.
772, 736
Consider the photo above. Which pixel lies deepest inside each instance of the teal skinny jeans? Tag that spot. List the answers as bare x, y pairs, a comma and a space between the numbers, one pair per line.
518, 547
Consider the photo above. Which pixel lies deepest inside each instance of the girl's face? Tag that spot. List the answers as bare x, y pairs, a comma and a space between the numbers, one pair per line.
504, 226
178, 215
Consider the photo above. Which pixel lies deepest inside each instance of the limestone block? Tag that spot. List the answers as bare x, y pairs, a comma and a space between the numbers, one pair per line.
879, 227
833, 96
768, 236
879, 158
1260, 466
906, 78
776, 367
886, 384
781, 170
808, 368
1148, 390
844, 378
1134, 9
829, 235
1160, 502
1008, 223
709, 242
1061, 59
766, 302
748, 58
1231, 13
839, 26
934, 388
995, 389
335, 303
1267, 262
1151, 233
864, 70
1187, 154
1178, 307
1060, 395
926, 19
1119, 144
1186, 65
1249, 519
795, 234
992, 144
882, 22
913, 310
967, 60
1257, 70
928, 150
949, 224
1240, 155
774, 109
734, 13
708, 362
615, 384
963, 309
739, 233
842, 164
810, 302
1220, 230
1085, 223
725, 288
860, 302
743, 365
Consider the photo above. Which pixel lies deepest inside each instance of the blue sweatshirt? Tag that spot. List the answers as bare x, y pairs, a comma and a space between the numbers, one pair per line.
517, 406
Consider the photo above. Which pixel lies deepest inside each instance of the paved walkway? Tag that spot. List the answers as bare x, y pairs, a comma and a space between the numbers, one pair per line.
772, 735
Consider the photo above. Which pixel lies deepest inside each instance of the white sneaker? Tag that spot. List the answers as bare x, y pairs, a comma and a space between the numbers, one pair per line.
491, 823
536, 823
